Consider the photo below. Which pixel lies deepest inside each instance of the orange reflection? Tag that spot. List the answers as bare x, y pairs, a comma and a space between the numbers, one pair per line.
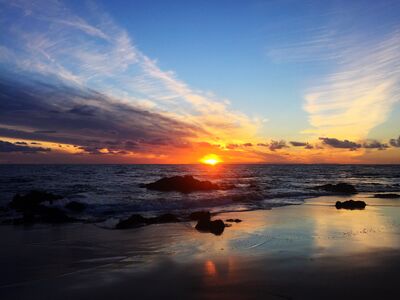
210, 268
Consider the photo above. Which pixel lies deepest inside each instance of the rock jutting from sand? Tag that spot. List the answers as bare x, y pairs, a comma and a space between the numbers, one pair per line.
204, 223
199, 215
137, 220
340, 188
387, 196
233, 220
350, 204
185, 184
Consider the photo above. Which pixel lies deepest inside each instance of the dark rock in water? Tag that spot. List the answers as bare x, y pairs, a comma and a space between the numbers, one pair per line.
137, 221
75, 206
184, 184
233, 220
32, 199
350, 204
165, 218
132, 222
216, 227
31, 204
200, 215
340, 188
43, 214
387, 196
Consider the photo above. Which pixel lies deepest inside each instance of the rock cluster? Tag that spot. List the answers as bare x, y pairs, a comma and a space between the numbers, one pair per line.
184, 184
340, 188
350, 204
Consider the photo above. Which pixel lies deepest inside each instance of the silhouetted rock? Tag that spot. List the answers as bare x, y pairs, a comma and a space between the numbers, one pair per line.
132, 222
32, 200
165, 218
138, 220
184, 184
350, 204
200, 215
216, 227
75, 206
233, 220
387, 196
340, 188
43, 214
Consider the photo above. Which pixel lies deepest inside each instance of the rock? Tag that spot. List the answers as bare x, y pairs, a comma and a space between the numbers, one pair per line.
387, 196
233, 220
341, 188
31, 205
137, 221
216, 227
165, 218
132, 222
350, 204
184, 184
75, 206
43, 214
32, 200
200, 215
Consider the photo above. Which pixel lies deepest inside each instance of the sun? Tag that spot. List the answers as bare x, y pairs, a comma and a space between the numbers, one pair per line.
210, 159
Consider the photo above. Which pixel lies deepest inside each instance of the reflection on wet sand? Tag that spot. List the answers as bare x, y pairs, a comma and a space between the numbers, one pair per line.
298, 252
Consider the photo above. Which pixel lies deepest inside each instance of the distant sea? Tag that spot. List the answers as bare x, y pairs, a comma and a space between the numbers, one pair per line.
113, 191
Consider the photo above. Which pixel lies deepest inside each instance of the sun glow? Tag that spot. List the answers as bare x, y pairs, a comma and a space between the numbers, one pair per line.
210, 159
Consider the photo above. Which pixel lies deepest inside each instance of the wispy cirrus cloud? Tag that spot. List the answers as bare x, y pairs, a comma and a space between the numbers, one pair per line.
360, 94
49, 39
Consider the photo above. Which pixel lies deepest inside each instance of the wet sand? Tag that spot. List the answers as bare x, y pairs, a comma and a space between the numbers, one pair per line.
310, 251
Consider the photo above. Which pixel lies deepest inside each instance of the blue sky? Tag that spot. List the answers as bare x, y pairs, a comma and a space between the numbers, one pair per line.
235, 72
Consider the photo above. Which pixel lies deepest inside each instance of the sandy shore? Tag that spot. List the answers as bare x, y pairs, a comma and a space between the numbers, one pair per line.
310, 251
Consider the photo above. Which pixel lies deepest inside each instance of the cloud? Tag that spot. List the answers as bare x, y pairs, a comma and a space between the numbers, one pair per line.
345, 144
360, 94
276, 145
374, 144
232, 146
45, 131
298, 144
395, 142
96, 54
7, 147
83, 117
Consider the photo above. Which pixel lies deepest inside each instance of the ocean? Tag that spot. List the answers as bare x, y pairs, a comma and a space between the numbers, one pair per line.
113, 191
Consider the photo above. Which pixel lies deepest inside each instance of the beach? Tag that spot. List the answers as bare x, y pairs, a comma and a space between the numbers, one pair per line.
308, 251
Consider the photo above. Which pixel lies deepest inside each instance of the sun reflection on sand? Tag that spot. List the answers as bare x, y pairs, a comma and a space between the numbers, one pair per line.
353, 231
210, 268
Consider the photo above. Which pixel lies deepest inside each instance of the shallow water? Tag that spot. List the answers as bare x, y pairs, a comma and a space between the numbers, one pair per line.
113, 190
311, 251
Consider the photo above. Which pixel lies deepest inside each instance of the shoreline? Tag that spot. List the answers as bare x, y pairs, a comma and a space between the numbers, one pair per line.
308, 251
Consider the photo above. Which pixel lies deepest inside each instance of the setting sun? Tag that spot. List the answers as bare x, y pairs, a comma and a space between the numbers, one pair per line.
210, 159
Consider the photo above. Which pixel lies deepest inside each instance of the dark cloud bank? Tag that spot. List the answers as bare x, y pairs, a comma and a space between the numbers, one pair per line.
7, 147
59, 113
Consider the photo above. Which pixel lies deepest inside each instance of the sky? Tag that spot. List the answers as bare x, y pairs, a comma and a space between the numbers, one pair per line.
173, 81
